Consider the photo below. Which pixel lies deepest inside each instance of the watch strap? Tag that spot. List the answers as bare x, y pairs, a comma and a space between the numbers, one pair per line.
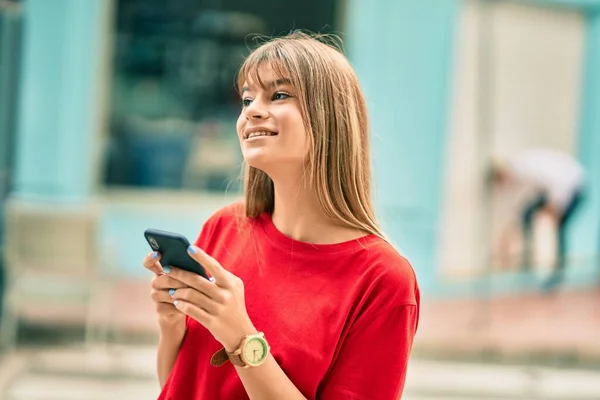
222, 356
235, 358
219, 358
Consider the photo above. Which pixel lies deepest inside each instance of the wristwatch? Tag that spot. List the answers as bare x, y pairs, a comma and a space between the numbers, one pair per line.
252, 352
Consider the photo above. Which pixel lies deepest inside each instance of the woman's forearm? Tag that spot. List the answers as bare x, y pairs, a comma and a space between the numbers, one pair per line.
268, 381
169, 344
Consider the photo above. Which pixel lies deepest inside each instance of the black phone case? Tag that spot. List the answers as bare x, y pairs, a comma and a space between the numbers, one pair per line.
173, 250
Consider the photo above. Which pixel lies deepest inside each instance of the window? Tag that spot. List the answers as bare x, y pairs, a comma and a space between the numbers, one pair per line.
174, 103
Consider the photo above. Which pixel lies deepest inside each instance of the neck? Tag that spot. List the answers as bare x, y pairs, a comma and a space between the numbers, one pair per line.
299, 215
297, 212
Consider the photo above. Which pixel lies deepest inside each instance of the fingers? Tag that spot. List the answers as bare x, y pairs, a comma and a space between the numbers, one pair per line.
195, 298
197, 313
187, 301
161, 296
221, 275
151, 263
196, 281
162, 282
162, 286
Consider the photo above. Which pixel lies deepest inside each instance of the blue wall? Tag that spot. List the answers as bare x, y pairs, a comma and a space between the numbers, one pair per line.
405, 65
586, 237
56, 125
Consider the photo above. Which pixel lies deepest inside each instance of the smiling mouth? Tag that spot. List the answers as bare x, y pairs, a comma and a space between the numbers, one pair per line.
260, 134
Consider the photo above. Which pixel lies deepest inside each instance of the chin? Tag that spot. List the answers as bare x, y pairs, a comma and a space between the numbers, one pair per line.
259, 160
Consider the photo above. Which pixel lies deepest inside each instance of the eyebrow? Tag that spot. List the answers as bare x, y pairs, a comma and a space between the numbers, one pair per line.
272, 84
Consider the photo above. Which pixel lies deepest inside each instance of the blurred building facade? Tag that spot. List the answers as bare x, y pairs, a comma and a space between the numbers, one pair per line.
127, 107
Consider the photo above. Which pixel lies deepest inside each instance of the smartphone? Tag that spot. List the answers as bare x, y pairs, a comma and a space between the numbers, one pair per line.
173, 250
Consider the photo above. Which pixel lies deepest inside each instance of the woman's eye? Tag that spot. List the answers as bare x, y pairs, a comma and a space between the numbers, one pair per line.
246, 102
280, 96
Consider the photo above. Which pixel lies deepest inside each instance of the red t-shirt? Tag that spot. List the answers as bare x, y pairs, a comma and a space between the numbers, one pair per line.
340, 318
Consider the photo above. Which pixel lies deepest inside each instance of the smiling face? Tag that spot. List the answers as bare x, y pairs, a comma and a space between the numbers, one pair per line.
321, 128
270, 127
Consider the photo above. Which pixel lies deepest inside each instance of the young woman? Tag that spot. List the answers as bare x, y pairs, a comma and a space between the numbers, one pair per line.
307, 299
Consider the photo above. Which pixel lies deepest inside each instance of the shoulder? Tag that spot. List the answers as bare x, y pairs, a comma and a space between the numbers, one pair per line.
390, 276
231, 214
225, 218
231, 211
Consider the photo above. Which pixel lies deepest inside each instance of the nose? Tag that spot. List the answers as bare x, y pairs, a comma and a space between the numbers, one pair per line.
256, 110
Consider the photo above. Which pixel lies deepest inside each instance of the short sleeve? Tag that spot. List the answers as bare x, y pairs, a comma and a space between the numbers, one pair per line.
212, 227
372, 360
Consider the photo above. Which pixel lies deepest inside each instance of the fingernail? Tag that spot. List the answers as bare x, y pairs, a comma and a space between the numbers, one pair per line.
192, 250
171, 292
212, 279
155, 254
167, 269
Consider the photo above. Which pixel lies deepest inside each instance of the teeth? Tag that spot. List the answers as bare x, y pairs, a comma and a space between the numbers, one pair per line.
262, 133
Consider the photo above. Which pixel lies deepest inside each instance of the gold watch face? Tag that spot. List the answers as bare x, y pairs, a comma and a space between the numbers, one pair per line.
255, 351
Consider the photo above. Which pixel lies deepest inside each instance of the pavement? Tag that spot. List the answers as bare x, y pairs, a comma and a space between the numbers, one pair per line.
79, 373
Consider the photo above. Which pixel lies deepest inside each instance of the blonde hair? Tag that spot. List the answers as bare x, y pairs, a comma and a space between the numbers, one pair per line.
335, 120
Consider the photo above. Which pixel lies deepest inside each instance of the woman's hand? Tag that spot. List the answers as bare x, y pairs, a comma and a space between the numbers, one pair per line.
217, 304
162, 285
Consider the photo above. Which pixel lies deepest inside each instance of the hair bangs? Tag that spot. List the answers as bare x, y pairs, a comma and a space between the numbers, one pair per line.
269, 56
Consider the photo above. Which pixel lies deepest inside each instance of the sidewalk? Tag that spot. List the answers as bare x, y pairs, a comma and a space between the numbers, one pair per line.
561, 327
80, 373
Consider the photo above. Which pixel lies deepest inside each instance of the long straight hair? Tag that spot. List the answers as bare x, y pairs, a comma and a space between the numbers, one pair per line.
334, 112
